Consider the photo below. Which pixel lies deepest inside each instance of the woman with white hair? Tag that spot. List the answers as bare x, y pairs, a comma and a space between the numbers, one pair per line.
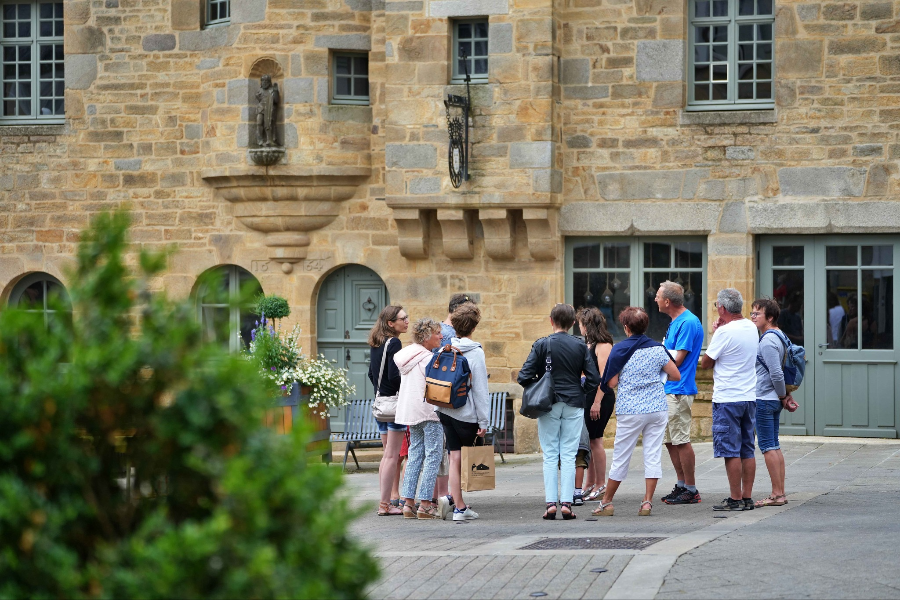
426, 435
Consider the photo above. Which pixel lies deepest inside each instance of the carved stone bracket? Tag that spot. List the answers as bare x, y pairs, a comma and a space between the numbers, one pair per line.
412, 227
458, 232
542, 227
499, 232
286, 203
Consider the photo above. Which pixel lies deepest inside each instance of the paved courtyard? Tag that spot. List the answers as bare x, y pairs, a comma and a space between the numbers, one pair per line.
836, 538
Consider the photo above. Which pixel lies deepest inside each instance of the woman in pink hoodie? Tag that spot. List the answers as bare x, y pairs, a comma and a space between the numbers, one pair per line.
426, 435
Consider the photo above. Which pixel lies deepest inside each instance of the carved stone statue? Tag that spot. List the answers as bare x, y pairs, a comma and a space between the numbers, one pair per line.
267, 98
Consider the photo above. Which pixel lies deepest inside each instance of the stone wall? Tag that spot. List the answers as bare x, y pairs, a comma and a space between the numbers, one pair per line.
580, 130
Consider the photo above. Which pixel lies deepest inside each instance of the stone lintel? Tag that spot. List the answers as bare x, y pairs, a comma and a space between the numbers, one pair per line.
458, 232
499, 232
543, 232
413, 232
467, 8
728, 117
627, 218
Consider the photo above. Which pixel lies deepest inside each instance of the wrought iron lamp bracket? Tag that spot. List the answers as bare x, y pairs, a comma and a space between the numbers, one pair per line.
458, 130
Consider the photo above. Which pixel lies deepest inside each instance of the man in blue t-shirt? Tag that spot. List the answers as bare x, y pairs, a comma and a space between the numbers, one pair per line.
684, 340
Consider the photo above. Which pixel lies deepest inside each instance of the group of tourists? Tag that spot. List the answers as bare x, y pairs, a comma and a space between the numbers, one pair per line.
650, 386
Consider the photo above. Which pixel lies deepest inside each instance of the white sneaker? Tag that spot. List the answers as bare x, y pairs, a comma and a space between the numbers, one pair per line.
444, 507
466, 515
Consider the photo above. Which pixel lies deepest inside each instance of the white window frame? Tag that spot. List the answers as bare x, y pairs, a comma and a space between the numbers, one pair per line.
733, 22
349, 98
460, 76
636, 270
236, 314
35, 40
219, 20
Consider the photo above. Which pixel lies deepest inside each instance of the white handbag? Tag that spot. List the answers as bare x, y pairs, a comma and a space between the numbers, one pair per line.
385, 407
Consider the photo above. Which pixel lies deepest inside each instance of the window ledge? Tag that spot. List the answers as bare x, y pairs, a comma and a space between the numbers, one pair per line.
42, 129
728, 117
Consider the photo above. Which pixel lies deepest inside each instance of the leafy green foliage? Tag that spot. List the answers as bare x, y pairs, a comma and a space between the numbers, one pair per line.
139, 468
272, 307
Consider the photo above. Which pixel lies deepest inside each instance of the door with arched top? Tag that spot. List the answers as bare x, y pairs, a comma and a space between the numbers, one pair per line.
348, 305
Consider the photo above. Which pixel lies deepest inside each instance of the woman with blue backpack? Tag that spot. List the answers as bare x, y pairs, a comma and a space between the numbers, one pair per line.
771, 394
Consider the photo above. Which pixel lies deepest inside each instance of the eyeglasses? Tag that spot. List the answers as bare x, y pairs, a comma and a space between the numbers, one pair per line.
754, 314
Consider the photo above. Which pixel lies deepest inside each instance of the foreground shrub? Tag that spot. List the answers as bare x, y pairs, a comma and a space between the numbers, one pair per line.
133, 463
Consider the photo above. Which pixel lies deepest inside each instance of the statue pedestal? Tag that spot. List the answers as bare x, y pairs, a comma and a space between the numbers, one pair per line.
266, 157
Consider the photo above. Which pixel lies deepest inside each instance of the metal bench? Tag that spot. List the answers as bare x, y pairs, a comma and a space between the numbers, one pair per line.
498, 420
361, 430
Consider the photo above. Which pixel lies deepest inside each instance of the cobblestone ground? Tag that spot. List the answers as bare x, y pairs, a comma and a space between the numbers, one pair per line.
835, 538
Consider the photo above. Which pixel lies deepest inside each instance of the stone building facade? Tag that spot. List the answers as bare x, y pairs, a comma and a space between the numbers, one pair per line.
597, 170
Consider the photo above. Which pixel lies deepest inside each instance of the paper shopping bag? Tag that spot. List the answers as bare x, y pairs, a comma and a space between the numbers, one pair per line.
477, 468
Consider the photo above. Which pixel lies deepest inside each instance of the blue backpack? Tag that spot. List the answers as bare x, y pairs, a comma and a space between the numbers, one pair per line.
794, 364
447, 378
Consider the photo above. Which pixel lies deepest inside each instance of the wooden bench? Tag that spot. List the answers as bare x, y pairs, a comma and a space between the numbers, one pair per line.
361, 430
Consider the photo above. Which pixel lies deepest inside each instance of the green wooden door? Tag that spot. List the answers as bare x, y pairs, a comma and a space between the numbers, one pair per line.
349, 302
838, 291
855, 355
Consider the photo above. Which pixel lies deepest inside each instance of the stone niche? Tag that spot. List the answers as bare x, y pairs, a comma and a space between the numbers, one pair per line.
270, 67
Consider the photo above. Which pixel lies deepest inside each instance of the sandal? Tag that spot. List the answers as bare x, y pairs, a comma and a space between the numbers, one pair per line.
595, 495
645, 512
409, 512
566, 508
550, 516
589, 489
428, 513
604, 510
771, 500
386, 509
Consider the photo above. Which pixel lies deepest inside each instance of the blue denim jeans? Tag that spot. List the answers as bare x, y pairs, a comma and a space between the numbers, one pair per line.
767, 413
559, 432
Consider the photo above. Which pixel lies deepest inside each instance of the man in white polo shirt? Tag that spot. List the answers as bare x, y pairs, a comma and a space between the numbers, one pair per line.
732, 356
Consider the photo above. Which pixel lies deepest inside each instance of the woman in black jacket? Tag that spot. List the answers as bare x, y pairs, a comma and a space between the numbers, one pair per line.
383, 338
560, 430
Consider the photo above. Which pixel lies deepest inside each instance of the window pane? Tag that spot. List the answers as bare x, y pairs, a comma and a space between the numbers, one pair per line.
745, 91
720, 8
720, 73
360, 65
688, 255
701, 8
745, 7
616, 255
764, 7
720, 91
342, 65
745, 33
763, 71
24, 11
33, 297
877, 255
720, 52
342, 86
481, 29
361, 87
46, 29
464, 49
481, 66
841, 296
481, 48
701, 53
657, 255
764, 33
24, 29
764, 90
764, 51
214, 321
720, 34
586, 256
788, 256
9, 30
702, 34
701, 92
59, 107
745, 72
701, 73
464, 31
876, 311
840, 256
787, 290
610, 292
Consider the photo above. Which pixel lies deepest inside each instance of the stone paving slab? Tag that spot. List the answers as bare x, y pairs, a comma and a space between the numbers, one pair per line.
483, 558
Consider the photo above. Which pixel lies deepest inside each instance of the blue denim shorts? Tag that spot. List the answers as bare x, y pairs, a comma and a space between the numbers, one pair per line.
733, 425
767, 413
383, 427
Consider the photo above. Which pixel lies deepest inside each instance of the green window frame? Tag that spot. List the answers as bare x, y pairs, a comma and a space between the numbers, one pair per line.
350, 78
470, 35
44, 294
614, 272
731, 54
218, 12
222, 320
32, 62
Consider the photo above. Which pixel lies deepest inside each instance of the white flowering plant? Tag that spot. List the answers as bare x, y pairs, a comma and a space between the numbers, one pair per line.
282, 363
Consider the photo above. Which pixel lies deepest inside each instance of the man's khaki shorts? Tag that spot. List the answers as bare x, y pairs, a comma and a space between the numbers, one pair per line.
678, 430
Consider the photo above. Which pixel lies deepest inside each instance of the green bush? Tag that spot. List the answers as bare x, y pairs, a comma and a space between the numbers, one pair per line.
138, 468
272, 307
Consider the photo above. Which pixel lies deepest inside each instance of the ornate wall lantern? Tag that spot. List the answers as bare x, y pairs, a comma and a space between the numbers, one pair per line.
458, 129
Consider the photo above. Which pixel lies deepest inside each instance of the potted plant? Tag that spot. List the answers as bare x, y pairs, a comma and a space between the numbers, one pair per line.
300, 384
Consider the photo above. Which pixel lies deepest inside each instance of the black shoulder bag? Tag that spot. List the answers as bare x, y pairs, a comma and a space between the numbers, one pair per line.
538, 398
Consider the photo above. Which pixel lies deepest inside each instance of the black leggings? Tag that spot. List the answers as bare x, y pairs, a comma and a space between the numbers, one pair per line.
607, 405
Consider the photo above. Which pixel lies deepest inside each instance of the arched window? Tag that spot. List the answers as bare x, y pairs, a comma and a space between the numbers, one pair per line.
223, 322
44, 294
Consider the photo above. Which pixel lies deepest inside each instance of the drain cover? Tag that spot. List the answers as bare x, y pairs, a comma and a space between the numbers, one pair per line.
593, 543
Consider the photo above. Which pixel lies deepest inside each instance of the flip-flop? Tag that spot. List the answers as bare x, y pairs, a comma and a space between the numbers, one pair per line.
771, 501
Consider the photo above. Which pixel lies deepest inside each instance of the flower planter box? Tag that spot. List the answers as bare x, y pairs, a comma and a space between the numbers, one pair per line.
288, 409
